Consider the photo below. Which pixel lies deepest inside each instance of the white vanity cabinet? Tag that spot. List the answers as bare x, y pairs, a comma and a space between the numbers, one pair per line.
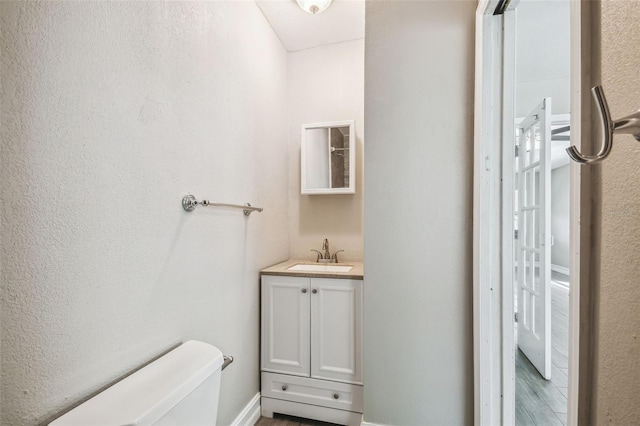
311, 348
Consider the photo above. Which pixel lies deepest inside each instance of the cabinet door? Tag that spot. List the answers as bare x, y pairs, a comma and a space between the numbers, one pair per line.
285, 325
336, 329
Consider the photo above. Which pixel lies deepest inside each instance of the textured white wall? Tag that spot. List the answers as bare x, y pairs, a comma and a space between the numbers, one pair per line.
326, 84
617, 355
560, 216
111, 112
419, 60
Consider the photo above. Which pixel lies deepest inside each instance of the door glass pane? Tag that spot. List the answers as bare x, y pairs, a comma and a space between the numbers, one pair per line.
533, 307
538, 317
528, 272
536, 272
525, 309
526, 155
528, 186
536, 227
532, 229
535, 187
535, 151
532, 265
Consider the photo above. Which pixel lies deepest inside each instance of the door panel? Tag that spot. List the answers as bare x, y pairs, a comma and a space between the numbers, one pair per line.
336, 337
533, 244
285, 325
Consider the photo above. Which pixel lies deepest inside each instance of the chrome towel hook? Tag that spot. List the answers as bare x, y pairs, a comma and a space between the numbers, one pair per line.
629, 124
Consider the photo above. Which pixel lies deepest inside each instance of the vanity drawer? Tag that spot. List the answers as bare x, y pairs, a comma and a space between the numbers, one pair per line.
306, 390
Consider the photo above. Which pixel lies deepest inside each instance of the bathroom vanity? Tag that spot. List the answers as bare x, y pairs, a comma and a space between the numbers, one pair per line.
311, 341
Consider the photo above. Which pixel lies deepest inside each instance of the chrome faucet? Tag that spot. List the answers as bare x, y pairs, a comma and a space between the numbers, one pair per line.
326, 257
325, 247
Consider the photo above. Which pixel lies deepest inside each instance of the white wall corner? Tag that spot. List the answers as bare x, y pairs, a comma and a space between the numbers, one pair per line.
249, 414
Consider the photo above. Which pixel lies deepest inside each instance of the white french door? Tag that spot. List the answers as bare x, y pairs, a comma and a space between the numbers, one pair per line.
533, 238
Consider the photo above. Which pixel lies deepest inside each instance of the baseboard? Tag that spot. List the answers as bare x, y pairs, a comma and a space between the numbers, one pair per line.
371, 424
560, 269
249, 414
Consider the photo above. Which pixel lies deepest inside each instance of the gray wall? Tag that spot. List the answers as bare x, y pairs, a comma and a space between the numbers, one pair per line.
111, 112
560, 216
543, 55
419, 62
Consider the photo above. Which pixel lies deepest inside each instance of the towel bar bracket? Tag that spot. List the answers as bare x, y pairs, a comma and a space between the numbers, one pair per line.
228, 359
189, 203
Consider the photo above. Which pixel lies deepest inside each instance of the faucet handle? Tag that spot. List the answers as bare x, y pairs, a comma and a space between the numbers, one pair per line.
319, 255
335, 256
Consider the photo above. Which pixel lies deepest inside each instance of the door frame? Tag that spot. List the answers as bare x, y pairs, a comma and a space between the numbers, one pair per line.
494, 363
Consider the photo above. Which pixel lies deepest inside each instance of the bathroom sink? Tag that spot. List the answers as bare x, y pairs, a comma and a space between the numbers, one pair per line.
319, 267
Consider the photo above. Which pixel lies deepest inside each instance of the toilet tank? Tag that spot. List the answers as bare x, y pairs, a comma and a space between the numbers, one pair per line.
181, 388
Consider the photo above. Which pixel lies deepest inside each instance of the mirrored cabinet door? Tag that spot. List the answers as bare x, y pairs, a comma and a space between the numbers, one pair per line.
328, 158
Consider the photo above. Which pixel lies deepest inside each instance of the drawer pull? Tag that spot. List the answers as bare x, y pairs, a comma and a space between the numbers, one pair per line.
284, 387
336, 396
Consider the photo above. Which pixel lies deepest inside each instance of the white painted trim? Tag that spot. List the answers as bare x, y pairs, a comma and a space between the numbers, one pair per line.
508, 182
575, 184
249, 414
371, 424
481, 213
560, 269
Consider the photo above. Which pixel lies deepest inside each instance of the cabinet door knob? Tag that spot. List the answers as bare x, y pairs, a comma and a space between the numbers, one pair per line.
304, 290
284, 387
336, 396
314, 291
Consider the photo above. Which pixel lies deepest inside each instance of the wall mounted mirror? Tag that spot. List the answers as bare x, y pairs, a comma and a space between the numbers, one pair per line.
328, 160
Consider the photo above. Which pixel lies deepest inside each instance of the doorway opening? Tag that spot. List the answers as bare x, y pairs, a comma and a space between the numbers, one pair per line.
542, 98
525, 215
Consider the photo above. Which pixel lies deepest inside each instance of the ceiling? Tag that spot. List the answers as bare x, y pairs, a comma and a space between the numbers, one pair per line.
297, 29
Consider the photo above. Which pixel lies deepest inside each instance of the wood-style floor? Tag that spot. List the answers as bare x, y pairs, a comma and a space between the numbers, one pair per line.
538, 401
282, 420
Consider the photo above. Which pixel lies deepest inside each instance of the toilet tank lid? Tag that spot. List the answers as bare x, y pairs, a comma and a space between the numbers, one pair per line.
149, 393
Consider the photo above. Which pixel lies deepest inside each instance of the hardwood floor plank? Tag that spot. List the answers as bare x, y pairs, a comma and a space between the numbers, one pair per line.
278, 420
537, 409
562, 417
523, 418
538, 401
541, 388
564, 391
560, 376
558, 358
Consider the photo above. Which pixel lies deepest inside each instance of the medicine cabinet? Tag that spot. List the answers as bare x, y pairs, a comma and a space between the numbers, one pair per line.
328, 158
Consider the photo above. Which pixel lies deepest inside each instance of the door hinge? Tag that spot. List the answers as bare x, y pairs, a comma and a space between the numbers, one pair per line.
515, 316
515, 234
517, 150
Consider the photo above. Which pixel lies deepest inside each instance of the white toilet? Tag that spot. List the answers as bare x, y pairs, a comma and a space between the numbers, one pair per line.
181, 389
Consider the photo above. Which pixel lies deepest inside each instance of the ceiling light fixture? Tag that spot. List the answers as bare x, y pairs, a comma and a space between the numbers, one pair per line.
314, 6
